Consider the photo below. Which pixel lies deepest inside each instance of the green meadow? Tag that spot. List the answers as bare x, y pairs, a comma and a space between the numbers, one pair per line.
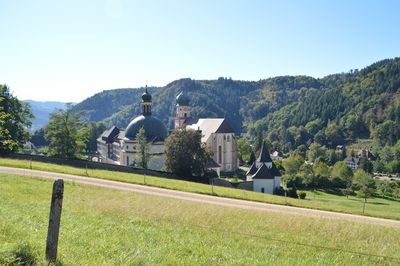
377, 207
108, 227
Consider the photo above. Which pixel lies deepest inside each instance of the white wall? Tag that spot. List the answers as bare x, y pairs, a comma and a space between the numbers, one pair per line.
277, 182
130, 153
227, 141
180, 115
267, 184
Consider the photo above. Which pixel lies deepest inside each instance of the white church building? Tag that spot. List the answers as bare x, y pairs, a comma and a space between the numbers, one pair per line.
217, 134
118, 146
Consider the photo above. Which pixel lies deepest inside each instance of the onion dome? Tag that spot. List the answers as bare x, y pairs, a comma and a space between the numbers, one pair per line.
182, 99
153, 127
146, 97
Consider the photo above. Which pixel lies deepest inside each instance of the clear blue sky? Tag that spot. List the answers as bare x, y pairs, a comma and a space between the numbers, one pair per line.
69, 50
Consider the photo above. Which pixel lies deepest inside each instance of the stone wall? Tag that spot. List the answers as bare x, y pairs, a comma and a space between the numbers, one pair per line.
246, 185
221, 182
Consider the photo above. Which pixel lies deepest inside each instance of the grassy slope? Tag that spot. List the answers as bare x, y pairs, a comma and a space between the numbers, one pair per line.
107, 227
375, 207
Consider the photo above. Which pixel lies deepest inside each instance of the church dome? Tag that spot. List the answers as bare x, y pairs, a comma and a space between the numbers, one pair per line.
182, 99
146, 97
153, 127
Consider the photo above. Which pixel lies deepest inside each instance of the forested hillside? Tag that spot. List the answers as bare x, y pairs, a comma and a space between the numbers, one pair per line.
358, 104
289, 111
209, 98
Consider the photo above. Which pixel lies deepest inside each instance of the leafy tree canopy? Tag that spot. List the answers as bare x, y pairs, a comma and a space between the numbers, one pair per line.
15, 119
185, 155
62, 131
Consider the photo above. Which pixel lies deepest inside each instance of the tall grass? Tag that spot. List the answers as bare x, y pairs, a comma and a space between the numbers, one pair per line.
106, 227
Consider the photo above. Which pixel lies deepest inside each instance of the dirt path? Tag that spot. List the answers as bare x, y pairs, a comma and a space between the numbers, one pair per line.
235, 203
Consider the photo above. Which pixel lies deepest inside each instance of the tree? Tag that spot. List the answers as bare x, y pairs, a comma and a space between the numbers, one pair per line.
334, 134
387, 132
15, 118
185, 154
379, 167
364, 184
322, 169
143, 148
314, 126
366, 165
393, 167
62, 132
252, 157
316, 151
396, 193
342, 172
384, 188
89, 134
244, 149
332, 157
38, 138
292, 164
301, 150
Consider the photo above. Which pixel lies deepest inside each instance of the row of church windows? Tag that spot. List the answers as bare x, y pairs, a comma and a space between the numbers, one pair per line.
146, 108
227, 138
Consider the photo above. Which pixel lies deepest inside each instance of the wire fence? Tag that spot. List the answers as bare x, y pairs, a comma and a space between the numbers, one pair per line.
334, 249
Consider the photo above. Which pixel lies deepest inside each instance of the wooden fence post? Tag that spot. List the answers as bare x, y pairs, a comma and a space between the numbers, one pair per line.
54, 220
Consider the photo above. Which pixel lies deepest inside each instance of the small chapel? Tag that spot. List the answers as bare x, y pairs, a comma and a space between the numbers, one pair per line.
263, 172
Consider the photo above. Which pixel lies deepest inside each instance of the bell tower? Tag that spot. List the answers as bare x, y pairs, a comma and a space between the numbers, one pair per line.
146, 103
182, 109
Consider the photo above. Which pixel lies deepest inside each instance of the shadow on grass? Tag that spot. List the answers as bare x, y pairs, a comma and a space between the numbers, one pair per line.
334, 191
23, 255
376, 203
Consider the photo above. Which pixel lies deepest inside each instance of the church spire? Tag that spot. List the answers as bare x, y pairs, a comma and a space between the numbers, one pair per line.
146, 103
264, 156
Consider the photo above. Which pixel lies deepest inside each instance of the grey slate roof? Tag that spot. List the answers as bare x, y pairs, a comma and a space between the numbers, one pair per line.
350, 159
212, 164
263, 173
252, 170
110, 134
154, 128
264, 156
182, 99
209, 126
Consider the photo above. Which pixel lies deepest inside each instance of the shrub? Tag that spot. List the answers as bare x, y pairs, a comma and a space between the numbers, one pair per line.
279, 191
292, 192
302, 195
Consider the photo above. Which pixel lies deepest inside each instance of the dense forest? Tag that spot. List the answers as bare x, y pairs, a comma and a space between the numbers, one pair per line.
288, 111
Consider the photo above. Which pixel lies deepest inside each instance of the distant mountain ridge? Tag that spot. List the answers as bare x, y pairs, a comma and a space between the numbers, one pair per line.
41, 110
358, 102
